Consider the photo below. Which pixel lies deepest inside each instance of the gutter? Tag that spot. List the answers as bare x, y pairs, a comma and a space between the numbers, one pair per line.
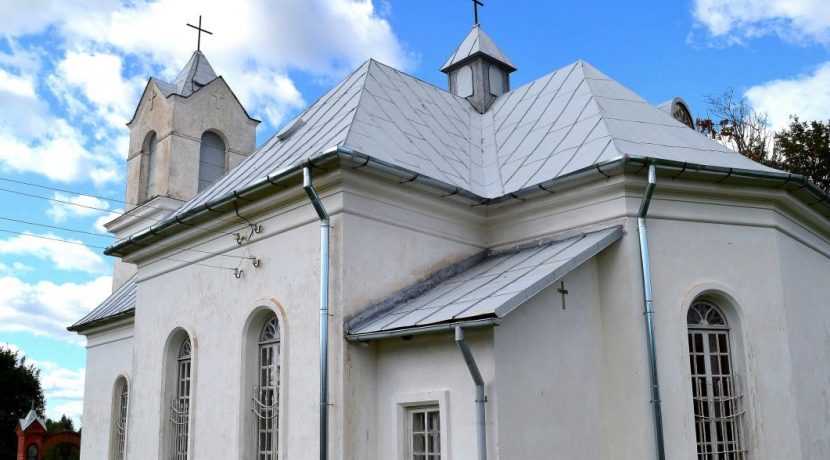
648, 312
324, 309
481, 399
606, 169
410, 331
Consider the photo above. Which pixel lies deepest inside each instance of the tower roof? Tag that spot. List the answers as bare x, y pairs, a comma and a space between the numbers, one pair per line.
477, 43
195, 74
31, 417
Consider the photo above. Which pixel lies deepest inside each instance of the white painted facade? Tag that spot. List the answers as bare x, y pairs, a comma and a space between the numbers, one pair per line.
562, 381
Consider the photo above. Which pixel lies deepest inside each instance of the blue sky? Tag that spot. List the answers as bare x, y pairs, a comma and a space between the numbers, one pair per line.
71, 76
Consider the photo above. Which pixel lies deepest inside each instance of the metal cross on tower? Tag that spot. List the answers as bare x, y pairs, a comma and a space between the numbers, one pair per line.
476, 4
199, 33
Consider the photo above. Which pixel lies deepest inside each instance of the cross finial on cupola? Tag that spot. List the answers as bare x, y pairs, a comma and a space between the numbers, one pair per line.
478, 69
199, 33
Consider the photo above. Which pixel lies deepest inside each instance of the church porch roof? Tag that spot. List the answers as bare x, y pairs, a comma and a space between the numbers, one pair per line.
489, 286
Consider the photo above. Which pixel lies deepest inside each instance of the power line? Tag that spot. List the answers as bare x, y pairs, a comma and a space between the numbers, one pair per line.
57, 227
95, 208
100, 197
80, 243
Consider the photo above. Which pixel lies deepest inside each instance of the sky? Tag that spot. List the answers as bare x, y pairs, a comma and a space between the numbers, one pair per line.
71, 76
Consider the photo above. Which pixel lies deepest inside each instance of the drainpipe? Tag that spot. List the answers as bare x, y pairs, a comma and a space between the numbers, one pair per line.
481, 433
324, 310
649, 312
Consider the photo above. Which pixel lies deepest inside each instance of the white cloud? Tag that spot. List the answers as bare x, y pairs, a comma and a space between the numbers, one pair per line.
16, 84
100, 223
98, 78
254, 45
47, 309
807, 96
62, 255
792, 20
81, 206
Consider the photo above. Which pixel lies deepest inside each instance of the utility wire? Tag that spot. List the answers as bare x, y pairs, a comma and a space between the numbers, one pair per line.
100, 197
79, 243
56, 227
95, 208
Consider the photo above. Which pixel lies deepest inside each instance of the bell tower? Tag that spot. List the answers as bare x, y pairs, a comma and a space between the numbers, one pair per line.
478, 70
184, 136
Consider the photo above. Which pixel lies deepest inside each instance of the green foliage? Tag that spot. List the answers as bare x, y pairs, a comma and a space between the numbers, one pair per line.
804, 148
62, 452
20, 388
65, 423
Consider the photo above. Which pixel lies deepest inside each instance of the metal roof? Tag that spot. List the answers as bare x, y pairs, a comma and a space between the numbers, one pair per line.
568, 120
31, 417
119, 303
476, 43
493, 287
193, 76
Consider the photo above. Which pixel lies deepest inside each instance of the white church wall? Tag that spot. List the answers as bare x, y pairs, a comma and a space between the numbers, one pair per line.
548, 360
431, 368
213, 306
731, 254
390, 239
806, 298
109, 356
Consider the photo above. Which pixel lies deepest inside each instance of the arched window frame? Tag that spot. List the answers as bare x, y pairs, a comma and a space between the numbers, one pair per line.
176, 412
120, 417
211, 167
718, 405
150, 151
251, 353
32, 452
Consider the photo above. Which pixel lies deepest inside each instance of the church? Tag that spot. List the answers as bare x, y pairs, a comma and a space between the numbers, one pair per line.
476, 271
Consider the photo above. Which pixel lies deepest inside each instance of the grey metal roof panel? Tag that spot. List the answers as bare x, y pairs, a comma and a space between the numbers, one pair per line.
477, 42
494, 286
119, 303
565, 121
195, 74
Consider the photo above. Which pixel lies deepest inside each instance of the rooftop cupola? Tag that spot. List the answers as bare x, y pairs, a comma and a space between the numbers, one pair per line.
478, 70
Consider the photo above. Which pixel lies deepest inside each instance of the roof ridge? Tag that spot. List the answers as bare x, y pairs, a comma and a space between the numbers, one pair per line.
603, 112
369, 64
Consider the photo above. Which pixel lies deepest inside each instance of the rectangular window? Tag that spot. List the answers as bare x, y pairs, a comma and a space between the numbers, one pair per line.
423, 433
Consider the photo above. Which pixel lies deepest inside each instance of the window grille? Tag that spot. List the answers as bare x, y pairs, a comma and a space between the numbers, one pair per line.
121, 423
267, 393
211, 160
717, 401
424, 433
180, 407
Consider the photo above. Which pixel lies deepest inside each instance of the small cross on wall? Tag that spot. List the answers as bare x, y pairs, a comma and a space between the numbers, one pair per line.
562, 291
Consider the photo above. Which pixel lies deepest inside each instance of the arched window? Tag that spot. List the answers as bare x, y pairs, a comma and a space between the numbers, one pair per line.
122, 397
717, 400
31, 452
267, 393
150, 147
180, 407
211, 160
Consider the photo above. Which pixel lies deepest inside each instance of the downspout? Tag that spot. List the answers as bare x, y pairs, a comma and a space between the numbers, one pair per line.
324, 310
649, 312
481, 433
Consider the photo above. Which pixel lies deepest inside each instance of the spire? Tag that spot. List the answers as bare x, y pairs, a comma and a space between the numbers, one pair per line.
478, 70
477, 43
195, 74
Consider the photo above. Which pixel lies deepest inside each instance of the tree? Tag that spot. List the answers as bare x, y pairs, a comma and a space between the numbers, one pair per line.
734, 123
804, 148
20, 389
65, 423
